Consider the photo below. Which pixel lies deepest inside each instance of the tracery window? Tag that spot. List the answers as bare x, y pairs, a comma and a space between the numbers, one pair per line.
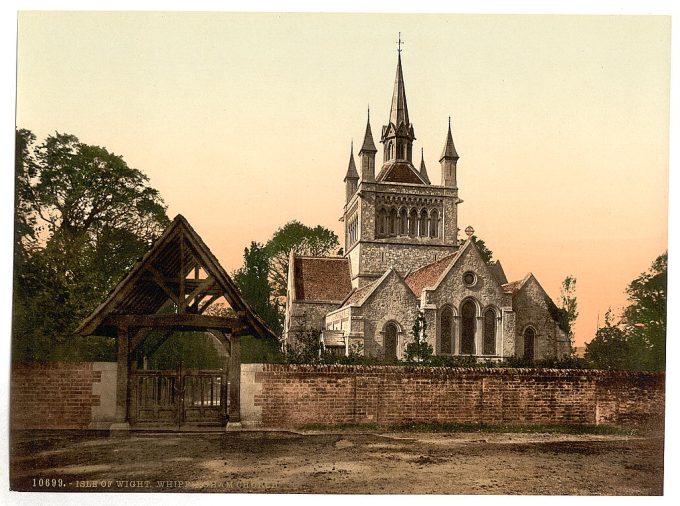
403, 222
446, 322
423, 228
393, 222
489, 332
469, 325
434, 223
413, 222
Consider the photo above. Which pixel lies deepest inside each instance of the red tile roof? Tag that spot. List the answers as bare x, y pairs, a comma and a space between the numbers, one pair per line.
322, 278
359, 294
429, 274
399, 172
512, 287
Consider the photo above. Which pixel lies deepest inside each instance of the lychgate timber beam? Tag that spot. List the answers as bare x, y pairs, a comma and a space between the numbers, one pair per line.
187, 321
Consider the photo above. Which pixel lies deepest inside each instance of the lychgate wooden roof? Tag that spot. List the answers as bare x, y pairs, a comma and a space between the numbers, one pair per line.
162, 278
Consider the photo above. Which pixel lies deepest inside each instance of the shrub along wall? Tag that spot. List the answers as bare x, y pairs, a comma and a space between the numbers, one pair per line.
281, 395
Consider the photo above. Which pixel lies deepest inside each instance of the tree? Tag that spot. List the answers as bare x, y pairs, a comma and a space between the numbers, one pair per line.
645, 317
83, 217
609, 349
487, 254
568, 307
253, 281
303, 240
418, 349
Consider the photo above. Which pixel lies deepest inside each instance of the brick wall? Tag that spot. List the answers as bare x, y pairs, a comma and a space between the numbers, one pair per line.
54, 395
296, 395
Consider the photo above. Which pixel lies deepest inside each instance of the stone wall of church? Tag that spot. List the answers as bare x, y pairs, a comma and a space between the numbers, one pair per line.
486, 292
531, 308
306, 315
392, 301
377, 257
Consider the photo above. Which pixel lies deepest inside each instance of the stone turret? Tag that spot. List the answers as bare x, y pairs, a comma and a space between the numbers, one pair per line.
367, 154
449, 161
352, 177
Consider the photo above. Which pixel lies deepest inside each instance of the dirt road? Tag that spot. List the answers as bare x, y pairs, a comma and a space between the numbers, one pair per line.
284, 462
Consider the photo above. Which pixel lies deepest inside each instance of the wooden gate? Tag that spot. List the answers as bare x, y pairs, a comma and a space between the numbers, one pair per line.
177, 398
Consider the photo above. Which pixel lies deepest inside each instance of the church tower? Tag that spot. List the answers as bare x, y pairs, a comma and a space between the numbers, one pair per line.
397, 218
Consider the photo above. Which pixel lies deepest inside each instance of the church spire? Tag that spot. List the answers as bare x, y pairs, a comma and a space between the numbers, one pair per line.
399, 108
352, 168
368, 146
367, 154
352, 177
423, 169
449, 148
397, 135
449, 161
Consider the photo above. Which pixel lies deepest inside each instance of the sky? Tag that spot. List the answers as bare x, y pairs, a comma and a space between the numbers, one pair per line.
244, 121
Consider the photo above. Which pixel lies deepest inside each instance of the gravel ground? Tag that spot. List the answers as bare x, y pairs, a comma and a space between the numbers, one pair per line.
339, 463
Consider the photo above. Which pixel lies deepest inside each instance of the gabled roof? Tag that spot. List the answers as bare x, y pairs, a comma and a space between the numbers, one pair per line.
138, 293
514, 286
399, 172
428, 275
359, 296
326, 279
497, 270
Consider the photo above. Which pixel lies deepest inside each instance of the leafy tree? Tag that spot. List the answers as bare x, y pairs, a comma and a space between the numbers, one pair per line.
610, 348
487, 254
305, 347
303, 240
253, 281
418, 349
83, 217
645, 317
568, 310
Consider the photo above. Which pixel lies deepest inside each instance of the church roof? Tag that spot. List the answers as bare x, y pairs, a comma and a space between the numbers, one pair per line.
497, 270
514, 286
321, 278
399, 172
429, 274
449, 148
399, 108
358, 294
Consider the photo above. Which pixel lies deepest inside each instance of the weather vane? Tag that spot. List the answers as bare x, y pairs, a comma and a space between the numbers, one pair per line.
399, 43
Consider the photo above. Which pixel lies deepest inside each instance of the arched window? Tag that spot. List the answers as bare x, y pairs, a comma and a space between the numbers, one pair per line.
446, 322
382, 222
412, 222
389, 150
529, 338
469, 325
390, 341
434, 224
423, 228
393, 222
403, 222
489, 332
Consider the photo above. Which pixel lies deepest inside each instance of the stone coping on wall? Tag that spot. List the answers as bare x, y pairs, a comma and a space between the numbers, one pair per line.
436, 371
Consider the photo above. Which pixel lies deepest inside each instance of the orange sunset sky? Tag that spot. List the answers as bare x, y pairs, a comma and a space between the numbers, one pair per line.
243, 122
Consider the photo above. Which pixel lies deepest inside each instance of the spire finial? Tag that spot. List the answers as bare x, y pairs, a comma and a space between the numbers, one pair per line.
351, 146
449, 122
369, 113
399, 43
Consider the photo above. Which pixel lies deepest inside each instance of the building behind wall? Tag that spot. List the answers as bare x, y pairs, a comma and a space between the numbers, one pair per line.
402, 255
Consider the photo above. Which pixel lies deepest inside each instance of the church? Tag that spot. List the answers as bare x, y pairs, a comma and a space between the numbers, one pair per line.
402, 256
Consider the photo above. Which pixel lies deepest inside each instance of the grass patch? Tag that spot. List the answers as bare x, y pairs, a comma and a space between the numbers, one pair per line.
606, 430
